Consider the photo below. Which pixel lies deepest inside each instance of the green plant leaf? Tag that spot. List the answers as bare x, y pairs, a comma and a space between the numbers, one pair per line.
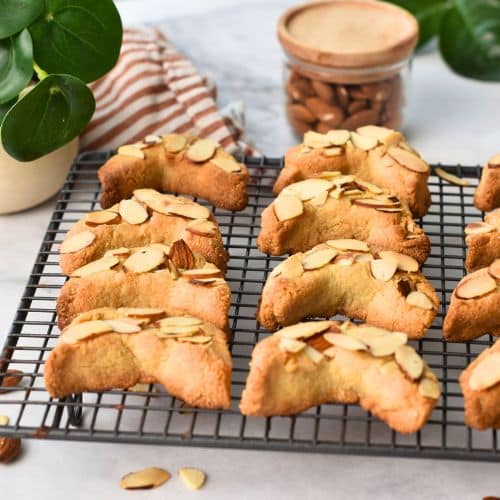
470, 39
77, 37
15, 15
5, 107
16, 64
428, 13
54, 112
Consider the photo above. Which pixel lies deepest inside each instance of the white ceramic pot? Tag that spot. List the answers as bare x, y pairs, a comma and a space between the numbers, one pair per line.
25, 185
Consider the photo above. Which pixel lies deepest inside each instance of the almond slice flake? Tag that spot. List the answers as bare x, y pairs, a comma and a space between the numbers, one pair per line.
369, 186
332, 151
494, 269
149, 313
475, 285
390, 210
319, 200
494, 161
174, 143
327, 174
194, 479
419, 299
101, 217
429, 388
364, 142
202, 227
291, 345
180, 330
205, 272
189, 210
338, 137
365, 333
315, 140
144, 260
486, 373
374, 203
291, 268
318, 259
408, 160
146, 194
4, 419
405, 262
345, 342
387, 344
161, 246
133, 212
123, 326
386, 136
315, 356
117, 252
131, 150
287, 207
479, 228
180, 321
345, 259
389, 368
97, 266
195, 339
152, 139
144, 479
202, 150
77, 242
309, 188
383, 269
80, 331
409, 361
452, 179
304, 330
349, 244
227, 164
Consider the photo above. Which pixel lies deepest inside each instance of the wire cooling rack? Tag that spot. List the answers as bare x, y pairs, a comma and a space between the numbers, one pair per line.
155, 417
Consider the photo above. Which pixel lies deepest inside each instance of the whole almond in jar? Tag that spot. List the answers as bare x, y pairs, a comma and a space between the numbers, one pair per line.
347, 64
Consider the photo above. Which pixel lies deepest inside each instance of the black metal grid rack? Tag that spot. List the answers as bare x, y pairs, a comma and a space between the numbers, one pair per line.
155, 417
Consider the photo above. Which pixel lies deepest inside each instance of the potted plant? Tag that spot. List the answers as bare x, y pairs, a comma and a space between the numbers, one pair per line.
49, 51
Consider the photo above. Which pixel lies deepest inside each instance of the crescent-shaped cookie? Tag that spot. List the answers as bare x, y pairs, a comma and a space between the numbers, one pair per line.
332, 206
177, 164
343, 277
487, 195
374, 154
483, 242
106, 349
148, 217
308, 364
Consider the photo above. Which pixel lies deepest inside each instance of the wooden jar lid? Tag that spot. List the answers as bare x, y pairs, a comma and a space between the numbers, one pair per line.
348, 33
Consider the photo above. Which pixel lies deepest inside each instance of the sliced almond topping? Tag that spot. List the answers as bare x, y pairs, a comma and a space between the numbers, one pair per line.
494, 269
378, 204
149, 313
152, 139
338, 137
309, 188
132, 212
341, 180
364, 142
494, 162
117, 252
81, 331
314, 140
363, 257
475, 285
349, 244
345, 259
479, 227
405, 262
387, 344
227, 164
287, 207
304, 330
174, 143
291, 268
291, 345
131, 150
369, 186
104, 264
77, 242
189, 210
486, 373
386, 136
332, 151
161, 246
144, 479
345, 342
192, 478
319, 200
383, 269
195, 339
202, 227
318, 258
419, 299
181, 321
452, 179
429, 388
389, 368
390, 210
181, 255
123, 326
365, 333
101, 217
180, 330
145, 260
409, 361
327, 174
315, 356
304, 150
205, 272
202, 150
146, 194
408, 160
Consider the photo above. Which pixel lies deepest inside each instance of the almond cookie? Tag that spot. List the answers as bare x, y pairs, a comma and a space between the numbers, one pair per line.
474, 305
487, 195
332, 206
108, 348
177, 164
483, 241
374, 154
480, 383
148, 217
344, 277
169, 278
312, 363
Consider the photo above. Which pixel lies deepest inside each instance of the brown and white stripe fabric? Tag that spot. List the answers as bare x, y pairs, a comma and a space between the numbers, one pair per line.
154, 89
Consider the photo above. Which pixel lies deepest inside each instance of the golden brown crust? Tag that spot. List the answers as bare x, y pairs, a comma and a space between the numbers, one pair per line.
371, 166
283, 383
199, 374
482, 407
487, 195
343, 218
351, 290
174, 173
484, 248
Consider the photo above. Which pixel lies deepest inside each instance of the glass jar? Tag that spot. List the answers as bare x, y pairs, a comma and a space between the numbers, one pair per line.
347, 64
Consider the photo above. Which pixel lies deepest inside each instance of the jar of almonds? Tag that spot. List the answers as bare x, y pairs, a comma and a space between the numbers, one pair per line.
347, 64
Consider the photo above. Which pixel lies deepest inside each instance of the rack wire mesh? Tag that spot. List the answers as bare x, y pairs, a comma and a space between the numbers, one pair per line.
153, 416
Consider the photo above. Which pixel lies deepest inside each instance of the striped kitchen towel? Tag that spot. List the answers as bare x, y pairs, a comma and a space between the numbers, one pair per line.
154, 89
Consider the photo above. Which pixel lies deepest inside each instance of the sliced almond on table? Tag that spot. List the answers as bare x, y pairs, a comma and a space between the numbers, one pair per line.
408, 160
319, 200
131, 150
364, 142
345, 342
479, 228
193, 478
144, 260
202, 227
338, 137
181, 255
349, 244
227, 164
291, 345
405, 262
174, 143
123, 326
100, 265
315, 356
149, 313
494, 269
419, 299
429, 388
318, 258
486, 373
314, 140
386, 345
383, 269
332, 151
80, 331
386, 136
452, 179
77, 242
409, 361
133, 212
196, 339
287, 207
304, 330
309, 188
475, 285
144, 479
101, 217
202, 150
188, 210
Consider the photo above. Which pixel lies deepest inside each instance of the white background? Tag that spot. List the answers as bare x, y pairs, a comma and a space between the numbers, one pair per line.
452, 120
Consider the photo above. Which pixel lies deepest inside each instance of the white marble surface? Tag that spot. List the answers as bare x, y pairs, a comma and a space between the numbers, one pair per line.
452, 120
